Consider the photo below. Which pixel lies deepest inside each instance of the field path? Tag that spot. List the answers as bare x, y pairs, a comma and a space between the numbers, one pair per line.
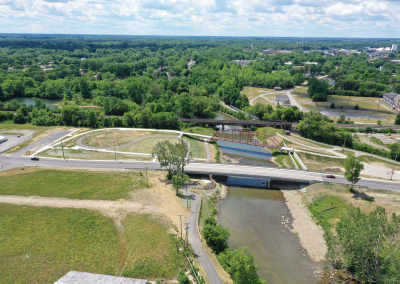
105, 206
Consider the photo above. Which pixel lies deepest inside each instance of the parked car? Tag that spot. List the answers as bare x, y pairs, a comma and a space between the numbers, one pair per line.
330, 176
18, 135
35, 159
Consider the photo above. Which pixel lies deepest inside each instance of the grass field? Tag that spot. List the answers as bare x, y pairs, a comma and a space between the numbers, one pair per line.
197, 147
90, 155
150, 252
69, 184
200, 130
326, 208
313, 162
106, 139
146, 145
40, 244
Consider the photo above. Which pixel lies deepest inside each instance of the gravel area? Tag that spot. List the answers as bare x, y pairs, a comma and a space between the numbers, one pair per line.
311, 235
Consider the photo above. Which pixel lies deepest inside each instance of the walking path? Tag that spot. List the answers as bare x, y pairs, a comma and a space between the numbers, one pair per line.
195, 242
293, 101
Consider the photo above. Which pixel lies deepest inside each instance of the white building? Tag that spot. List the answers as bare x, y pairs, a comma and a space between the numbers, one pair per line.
394, 47
75, 277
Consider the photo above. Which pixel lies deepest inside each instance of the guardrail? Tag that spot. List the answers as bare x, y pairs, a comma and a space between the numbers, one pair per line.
293, 161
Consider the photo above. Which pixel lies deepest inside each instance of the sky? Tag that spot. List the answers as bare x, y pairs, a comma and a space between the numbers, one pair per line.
286, 18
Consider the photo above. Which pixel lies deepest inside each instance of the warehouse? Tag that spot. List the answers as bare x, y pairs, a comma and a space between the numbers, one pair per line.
3, 139
392, 99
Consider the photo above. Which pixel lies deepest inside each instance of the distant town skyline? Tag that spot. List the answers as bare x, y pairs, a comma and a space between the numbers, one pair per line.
289, 18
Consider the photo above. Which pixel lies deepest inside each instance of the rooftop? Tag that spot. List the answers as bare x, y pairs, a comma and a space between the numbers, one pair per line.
76, 277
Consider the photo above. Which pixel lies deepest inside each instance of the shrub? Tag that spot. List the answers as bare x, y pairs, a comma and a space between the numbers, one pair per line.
183, 278
332, 105
356, 107
216, 235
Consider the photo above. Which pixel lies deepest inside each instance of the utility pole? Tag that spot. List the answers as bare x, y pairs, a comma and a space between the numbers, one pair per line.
115, 153
391, 178
187, 200
343, 144
187, 235
322, 161
62, 147
379, 102
180, 217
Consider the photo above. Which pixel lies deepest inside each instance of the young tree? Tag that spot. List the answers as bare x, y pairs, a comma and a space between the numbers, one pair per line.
183, 278
178, 181
394, 149
215, 235
353, 167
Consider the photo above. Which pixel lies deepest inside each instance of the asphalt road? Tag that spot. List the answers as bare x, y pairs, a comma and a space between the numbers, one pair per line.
201, 168
13, 141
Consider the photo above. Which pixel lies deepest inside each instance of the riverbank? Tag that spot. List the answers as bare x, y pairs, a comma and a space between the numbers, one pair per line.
310, 234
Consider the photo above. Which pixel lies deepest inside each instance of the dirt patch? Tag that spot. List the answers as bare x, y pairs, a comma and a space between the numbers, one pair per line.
106, 139
311, 235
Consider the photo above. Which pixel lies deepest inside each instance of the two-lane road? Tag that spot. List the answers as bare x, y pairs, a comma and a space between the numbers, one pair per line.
201, 168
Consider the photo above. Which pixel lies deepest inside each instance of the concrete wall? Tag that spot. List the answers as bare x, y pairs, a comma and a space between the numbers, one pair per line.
248, 182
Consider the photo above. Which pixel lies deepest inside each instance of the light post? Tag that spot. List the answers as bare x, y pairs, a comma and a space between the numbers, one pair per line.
322, 161
62, 147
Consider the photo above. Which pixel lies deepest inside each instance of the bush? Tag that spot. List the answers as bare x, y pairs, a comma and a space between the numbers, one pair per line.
253, 128
215, 235
332, 105
356, 107
183, 278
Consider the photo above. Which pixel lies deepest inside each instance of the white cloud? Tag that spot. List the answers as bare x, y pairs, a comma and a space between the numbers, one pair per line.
203, 17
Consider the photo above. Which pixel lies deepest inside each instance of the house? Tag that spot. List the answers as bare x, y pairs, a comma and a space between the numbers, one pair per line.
11, 68
391, 99
76, 277
83, 59
278, 88
3, 139
283, 100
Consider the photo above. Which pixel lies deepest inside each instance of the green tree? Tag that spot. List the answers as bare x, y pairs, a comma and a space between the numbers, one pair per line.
353, 167
178, 181
240, 265
215, 235
84, 88
394, 148
332, 105
397, 119
183, 278
341, 119
368, 245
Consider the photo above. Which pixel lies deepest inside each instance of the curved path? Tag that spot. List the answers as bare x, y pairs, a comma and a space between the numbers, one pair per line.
80, 143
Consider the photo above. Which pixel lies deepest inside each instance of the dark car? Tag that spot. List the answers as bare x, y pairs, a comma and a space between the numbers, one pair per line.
35, 159
330, 176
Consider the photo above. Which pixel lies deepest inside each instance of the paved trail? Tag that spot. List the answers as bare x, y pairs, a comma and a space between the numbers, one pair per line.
196, 245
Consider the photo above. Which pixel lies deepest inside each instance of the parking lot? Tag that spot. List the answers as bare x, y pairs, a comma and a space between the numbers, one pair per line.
13, 141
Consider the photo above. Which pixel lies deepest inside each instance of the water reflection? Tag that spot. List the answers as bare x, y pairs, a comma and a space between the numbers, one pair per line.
30, 101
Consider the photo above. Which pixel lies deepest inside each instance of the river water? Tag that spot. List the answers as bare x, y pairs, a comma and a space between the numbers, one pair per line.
254, 217
29, 101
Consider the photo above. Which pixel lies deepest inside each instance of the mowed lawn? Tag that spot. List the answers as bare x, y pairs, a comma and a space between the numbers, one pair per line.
40, 244
69, 184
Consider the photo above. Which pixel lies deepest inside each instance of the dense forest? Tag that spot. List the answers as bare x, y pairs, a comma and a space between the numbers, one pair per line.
151, 81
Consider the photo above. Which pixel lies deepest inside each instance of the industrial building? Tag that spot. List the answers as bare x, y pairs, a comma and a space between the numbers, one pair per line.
3, 139
391, 99
76, 277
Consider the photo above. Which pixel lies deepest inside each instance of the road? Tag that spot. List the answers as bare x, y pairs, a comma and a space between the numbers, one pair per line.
201, 168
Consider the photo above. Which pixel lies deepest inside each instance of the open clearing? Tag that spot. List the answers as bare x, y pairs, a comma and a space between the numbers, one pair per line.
106, 139
90, 155
40, 244
127, 230
146, 145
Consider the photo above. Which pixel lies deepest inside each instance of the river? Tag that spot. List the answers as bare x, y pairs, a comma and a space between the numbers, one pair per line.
254, 217
30, 101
